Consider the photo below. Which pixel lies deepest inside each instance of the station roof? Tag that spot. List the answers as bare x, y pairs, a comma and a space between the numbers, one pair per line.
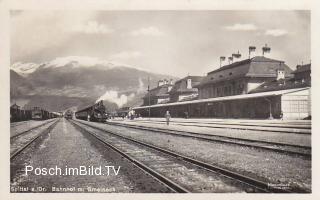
282, 84
258, 66
229, 98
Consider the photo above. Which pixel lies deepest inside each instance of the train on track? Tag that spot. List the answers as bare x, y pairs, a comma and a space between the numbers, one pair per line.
68, 114
36, 113
96, 113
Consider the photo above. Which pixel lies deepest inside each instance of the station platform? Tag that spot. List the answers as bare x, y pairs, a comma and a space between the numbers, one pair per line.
224, 129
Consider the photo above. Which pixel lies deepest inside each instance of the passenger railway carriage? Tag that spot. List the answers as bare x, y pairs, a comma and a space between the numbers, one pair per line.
17, 114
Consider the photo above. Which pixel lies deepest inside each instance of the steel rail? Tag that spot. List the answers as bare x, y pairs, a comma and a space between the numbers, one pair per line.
238, 128
169, 183
47, 130
259, 124
263, 186
224, 139
31, 129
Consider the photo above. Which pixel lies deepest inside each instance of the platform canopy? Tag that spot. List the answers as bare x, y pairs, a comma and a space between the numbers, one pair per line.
229, 98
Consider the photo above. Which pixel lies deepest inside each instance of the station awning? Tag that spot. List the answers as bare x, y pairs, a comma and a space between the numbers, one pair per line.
228, 98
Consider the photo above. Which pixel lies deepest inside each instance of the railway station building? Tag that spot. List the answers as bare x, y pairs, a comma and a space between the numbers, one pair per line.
242, 77
184, 89
159, 94
256, 88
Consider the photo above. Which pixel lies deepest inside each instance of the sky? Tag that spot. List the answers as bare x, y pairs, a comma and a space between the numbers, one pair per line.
178, 43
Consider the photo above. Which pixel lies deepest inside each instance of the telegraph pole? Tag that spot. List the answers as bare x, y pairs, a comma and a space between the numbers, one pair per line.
149, 95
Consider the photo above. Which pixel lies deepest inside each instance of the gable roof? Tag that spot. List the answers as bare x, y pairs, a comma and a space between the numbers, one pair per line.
258, 66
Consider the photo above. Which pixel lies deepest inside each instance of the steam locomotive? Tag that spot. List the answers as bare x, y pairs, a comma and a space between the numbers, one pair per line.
68, 114
95, 113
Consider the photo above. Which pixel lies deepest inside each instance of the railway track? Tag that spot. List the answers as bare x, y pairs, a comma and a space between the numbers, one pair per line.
14, 124
150, 157
238, 126
296, 125
29, 130
18, 143
264, 145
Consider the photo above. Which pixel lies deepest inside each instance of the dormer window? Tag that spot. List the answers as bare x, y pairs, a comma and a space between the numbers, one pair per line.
189, 83
280, 74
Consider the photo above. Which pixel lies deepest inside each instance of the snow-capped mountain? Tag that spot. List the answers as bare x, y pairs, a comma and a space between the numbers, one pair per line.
79, 78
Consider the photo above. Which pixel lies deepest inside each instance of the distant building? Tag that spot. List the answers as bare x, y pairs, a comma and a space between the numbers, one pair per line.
303, 74
160, 94
300, 78
184, 90
242, 77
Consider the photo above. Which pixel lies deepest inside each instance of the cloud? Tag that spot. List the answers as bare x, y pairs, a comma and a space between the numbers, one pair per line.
241, 27
92, 27
34, 31
79, 61
126, 55
148, 31
276, 32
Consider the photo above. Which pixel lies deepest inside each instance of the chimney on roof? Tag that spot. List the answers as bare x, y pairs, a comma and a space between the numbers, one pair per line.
222, 58
236, 56
171, 81
160, 83
252, 49
265, 49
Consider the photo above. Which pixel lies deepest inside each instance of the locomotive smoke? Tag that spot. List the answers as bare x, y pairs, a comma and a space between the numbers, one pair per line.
113, 96
120, 100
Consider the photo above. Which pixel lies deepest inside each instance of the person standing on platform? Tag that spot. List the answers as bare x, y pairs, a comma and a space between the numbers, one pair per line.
167, 116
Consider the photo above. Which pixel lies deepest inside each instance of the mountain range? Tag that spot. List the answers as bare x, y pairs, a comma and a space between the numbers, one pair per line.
76, 82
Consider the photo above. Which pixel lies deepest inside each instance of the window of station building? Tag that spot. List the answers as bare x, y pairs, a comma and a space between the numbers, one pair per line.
230, 73
230, 90
225, 90
218, 92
